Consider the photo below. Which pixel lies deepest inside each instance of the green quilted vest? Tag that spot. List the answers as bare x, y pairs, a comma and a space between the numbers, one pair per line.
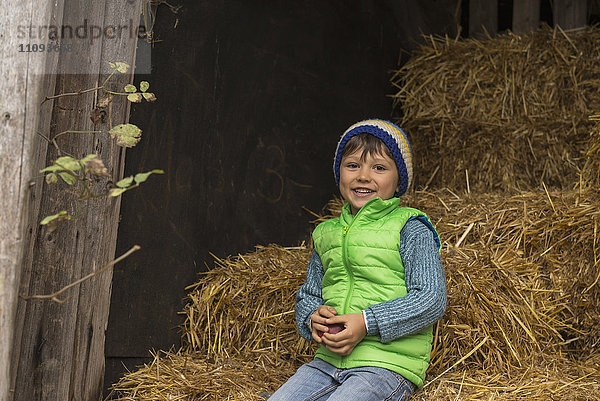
361, 259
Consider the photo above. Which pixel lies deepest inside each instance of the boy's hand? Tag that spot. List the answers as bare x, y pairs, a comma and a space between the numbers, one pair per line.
318, 319
344, 342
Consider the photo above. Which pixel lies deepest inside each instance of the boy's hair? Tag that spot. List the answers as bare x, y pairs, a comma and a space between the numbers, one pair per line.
376, 133
369, 144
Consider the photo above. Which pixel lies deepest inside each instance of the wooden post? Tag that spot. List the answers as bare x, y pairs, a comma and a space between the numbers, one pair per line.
22, 84
569, 14
526, 16
58, 349
483, 16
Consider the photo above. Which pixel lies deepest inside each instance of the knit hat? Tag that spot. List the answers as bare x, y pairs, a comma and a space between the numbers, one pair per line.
395, 140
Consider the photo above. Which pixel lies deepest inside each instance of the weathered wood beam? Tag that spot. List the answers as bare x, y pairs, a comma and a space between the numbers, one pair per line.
483, 17
59, 348
22, 84
526, 16
569, 14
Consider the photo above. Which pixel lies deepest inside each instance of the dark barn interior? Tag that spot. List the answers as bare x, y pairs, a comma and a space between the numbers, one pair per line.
252, 97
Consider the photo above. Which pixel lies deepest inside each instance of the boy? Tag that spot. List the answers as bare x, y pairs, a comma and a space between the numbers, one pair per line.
375, 273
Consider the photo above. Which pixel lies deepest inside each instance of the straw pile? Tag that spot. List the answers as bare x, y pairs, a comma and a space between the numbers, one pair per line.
244, 307
240, 337
523, 291
504, 113
192, 376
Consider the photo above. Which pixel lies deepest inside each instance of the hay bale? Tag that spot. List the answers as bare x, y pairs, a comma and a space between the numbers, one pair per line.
189, 376
504, 113
553, 379
523, 292
244, 307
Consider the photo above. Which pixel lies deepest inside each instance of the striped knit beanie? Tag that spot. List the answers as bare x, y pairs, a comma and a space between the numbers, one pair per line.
395, 140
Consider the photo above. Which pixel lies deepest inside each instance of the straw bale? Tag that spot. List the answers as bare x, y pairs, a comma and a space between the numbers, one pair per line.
558, 379
531, 267
188, 376
523, 292
503, 113
244, 307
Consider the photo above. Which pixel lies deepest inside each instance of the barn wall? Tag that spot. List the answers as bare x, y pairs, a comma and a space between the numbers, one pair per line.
253, 96
22, 87
58, 348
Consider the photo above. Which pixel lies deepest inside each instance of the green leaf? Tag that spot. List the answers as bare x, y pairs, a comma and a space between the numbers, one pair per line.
144, 85
68, 178
125, 182
58, 215
50, 168
68, 163
130, 88
112, 65
51, 178
149, 96
65, 163
142, 177
135, 97
128, 135
116, 191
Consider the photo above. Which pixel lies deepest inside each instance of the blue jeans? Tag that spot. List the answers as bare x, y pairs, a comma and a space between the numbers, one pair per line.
320, 381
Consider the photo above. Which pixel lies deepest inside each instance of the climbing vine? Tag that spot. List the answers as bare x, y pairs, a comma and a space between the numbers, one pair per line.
81, 174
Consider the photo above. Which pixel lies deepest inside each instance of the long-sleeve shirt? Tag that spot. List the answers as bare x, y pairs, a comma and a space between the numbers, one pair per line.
423, 305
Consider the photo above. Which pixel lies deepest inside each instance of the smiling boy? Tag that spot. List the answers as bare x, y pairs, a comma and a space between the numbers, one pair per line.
376, 271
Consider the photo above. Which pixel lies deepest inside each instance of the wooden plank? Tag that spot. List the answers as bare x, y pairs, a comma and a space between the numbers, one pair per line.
60, 347
570, 14
33, 199
483, 17
87, 382
21, 89
526, 16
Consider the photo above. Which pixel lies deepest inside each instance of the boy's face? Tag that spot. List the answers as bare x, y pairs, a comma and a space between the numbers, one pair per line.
362, 180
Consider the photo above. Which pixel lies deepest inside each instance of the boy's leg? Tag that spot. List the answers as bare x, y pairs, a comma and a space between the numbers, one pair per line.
313, 381
372, 384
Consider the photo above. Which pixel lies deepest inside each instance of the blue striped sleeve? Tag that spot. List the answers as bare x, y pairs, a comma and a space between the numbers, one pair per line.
309, 296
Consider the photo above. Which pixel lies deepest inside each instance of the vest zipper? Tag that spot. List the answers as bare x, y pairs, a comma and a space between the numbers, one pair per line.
350, 280
345, 258
347, 268
348, 271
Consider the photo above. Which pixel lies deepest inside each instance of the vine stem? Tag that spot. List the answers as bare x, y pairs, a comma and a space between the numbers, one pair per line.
83, 90
79, 132
54, 295
72, 93
118, 93
106, 80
